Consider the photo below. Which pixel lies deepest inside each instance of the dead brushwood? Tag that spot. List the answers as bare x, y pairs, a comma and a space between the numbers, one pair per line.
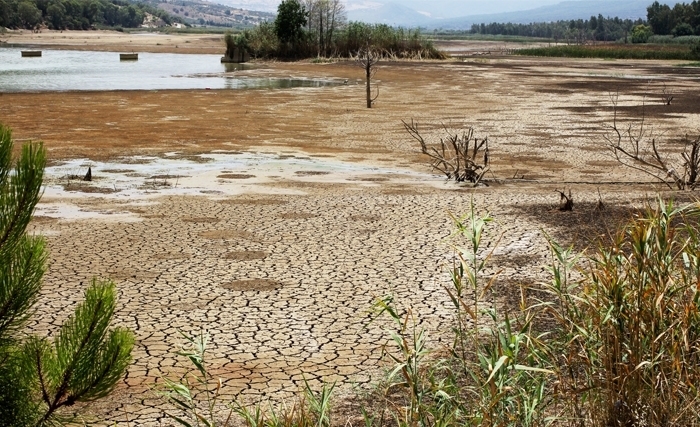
600, 206
634, 147
459, 155
666, 95
566, 202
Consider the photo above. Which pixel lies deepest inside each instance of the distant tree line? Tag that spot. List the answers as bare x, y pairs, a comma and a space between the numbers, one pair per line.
681, 20
597, 28
308, 28
77, 14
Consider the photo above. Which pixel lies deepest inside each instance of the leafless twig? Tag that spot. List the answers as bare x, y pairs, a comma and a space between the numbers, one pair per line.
566, 203
460, 156
634, 148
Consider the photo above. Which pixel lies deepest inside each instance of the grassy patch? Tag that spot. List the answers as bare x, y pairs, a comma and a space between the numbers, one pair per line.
490, 37
614, 51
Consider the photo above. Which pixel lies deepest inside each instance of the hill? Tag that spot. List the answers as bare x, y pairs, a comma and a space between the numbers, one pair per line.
624, 9
200, 12
398, 14
391, 14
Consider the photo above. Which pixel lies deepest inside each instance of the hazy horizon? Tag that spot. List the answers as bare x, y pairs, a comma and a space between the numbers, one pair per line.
462, 14
433, 8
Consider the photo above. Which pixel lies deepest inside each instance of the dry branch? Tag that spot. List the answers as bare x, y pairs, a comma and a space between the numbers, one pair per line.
566, 203
460, 156
666, 95
632, 147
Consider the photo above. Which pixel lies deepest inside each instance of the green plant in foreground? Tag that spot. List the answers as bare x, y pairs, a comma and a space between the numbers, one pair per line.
188, 399
503, 361
630, 328
311, 410
39, 377
409, 371
197, 398
494, 374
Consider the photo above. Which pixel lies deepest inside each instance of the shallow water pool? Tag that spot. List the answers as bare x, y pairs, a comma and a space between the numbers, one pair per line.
70, 70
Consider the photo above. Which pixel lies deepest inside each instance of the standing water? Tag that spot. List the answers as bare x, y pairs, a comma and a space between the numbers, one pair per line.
67, 70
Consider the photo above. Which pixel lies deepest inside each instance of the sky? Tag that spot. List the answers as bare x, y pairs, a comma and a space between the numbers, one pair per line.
447, 8
433, 8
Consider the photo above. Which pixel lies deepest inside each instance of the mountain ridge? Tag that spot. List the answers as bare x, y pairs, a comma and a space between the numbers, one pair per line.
416, 13
566, 10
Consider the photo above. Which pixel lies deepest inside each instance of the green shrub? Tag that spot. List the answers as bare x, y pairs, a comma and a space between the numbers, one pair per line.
39, 377
628, 335
261, 41
683, 29
641, 33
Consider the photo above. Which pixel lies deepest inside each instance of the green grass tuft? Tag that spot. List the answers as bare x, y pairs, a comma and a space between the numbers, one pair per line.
614, 51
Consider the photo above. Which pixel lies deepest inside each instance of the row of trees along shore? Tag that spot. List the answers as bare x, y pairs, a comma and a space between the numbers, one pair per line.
310, 28
77, 14
683, 19
596, 28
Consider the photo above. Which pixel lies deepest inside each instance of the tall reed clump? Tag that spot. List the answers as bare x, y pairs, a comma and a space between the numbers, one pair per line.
390, 42
628, 335
395, 43
504, 364
613, 340
495, 373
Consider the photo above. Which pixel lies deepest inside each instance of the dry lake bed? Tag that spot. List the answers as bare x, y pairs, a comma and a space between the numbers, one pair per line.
271, 218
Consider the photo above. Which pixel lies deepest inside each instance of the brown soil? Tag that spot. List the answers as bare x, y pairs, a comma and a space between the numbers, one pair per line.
227, 234
297, 215
246, 255
251, 285
203, 220
235, 176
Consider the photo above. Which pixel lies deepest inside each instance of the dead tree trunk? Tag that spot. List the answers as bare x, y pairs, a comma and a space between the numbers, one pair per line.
368, 77
368, 58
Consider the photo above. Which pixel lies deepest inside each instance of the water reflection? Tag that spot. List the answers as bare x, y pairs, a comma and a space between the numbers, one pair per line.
231, 67
66, 70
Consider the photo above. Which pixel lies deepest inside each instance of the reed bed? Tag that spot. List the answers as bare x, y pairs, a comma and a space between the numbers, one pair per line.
615, 51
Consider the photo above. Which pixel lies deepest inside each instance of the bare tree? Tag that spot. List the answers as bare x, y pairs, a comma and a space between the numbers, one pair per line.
368, 58
666, 95
634, 148
460, 156
325, 17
